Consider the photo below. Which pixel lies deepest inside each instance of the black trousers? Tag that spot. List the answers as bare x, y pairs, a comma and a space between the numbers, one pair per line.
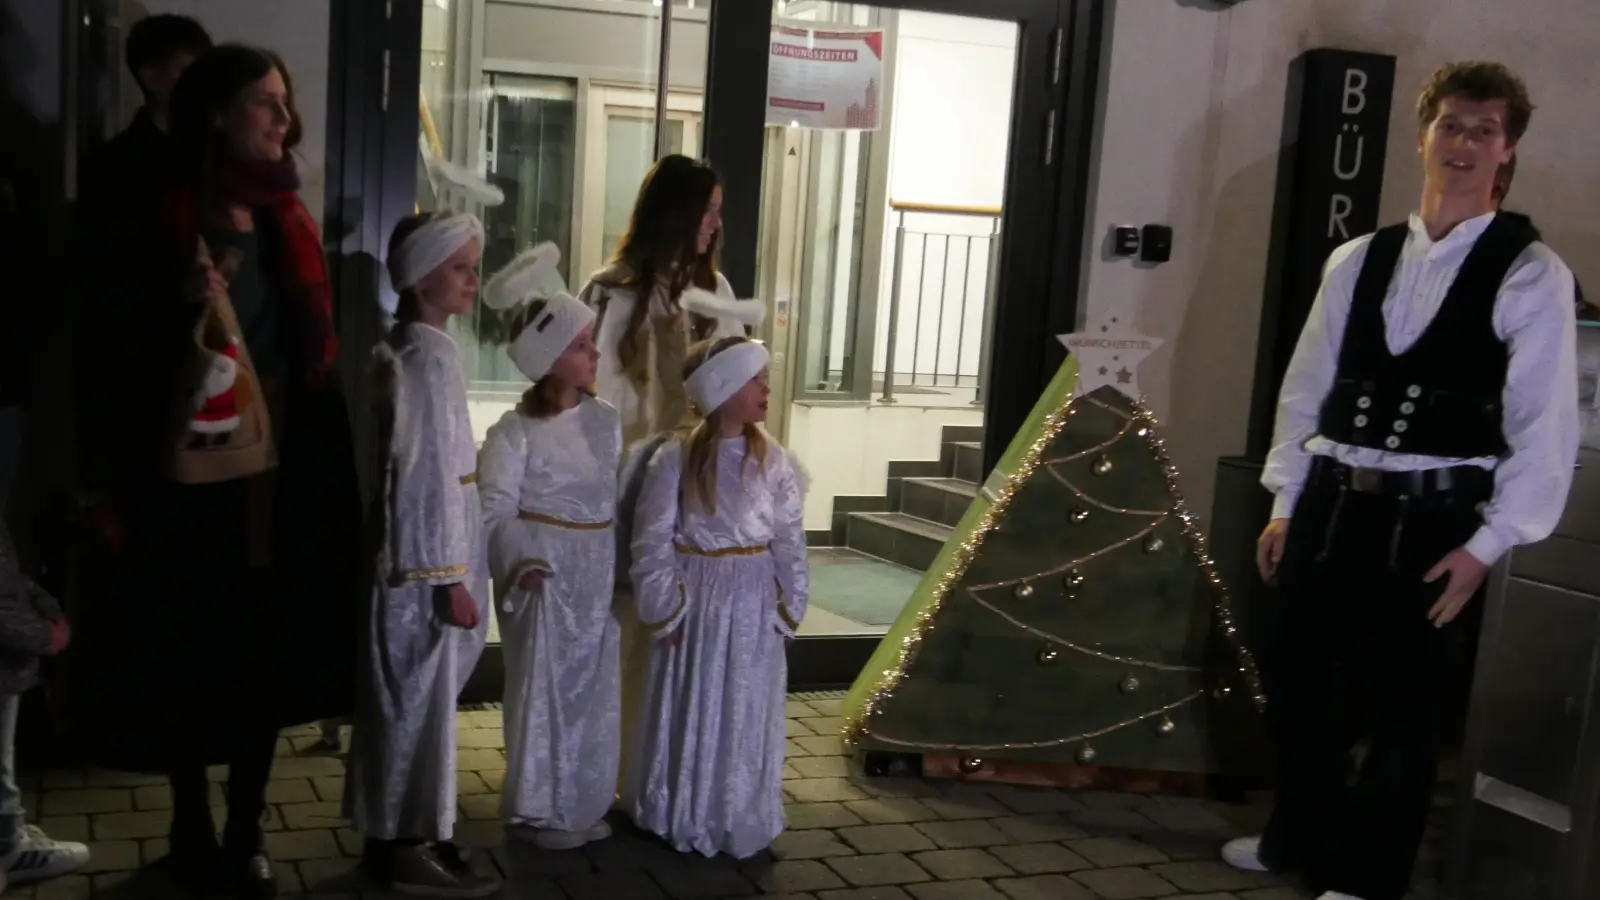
193, 833
1354, 656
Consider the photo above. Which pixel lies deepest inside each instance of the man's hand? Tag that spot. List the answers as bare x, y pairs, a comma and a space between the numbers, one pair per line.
1463, 573
1269, 547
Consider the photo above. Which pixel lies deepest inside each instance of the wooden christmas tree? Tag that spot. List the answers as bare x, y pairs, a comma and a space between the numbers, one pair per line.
1073, 631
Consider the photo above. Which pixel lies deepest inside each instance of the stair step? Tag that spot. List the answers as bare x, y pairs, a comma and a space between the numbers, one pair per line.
950, 434
897, 537
941, 500
967, 461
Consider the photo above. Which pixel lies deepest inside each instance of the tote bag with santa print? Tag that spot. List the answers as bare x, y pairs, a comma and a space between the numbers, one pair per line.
229, 433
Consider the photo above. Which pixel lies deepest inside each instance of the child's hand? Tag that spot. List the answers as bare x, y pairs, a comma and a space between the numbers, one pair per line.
533, 579
60, 637
454, 605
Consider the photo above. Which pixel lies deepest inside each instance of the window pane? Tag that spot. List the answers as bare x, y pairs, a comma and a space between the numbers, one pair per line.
629, 151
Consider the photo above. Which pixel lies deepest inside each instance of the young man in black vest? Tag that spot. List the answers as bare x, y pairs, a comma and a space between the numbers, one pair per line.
1426, 425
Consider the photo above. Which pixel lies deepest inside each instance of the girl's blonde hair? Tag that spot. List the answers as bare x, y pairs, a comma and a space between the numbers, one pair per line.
543, 399
701, 433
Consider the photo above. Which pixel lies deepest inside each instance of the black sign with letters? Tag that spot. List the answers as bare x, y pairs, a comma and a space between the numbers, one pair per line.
1330, 181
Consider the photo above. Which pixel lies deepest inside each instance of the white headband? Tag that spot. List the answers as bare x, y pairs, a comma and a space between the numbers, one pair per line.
428, 247
721, 376
548, 334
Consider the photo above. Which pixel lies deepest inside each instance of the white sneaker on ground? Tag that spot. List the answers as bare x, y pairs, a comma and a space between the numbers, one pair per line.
1244, 854
599, 831
1335, 895
37, 856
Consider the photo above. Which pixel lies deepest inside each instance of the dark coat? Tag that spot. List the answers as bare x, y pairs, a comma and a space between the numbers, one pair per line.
188, 650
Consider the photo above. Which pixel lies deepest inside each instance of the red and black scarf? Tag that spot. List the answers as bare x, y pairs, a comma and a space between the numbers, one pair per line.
299, 269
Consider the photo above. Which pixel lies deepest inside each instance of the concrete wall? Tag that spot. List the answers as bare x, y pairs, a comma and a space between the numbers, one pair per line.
1193, 118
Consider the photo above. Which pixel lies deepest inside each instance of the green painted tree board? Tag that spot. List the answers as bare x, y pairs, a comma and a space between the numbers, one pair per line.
1073, 616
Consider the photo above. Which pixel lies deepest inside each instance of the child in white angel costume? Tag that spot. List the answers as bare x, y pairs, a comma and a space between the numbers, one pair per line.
429, 615
549, 470
720, 579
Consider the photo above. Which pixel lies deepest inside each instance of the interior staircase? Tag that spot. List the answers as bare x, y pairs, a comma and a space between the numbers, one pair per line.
922, 502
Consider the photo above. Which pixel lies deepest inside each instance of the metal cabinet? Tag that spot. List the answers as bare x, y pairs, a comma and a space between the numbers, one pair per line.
1528, 823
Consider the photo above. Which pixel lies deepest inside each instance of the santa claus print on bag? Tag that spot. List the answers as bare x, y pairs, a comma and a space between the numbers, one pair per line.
218, 401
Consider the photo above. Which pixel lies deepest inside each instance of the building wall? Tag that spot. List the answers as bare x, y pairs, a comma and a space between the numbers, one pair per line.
1193, 103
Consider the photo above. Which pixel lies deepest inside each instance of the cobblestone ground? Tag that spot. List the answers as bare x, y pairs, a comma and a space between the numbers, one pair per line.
849, 838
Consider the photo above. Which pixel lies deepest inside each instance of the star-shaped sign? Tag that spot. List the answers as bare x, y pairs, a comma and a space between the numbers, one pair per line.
1109, 353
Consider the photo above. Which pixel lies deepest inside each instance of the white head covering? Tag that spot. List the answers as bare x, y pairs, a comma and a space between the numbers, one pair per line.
549, 333
721, 376
428, 247
533, 275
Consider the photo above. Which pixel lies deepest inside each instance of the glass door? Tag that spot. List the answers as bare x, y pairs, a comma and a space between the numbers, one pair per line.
907, 201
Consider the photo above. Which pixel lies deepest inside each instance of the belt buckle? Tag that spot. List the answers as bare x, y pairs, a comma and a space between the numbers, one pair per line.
1367, 481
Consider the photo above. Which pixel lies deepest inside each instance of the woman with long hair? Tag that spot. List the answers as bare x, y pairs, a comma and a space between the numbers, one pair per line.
661, 293
223, 462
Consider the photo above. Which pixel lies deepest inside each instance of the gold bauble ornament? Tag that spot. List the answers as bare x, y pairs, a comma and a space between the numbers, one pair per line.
1079, 515
971, 764
1023, 591
1143, 432
1129, 684
1086, 754
1154, 544
1101, 465
1048, 655
1166, 726
1073, 579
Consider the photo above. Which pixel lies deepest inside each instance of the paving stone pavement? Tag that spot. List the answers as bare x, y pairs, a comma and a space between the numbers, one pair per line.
849, 837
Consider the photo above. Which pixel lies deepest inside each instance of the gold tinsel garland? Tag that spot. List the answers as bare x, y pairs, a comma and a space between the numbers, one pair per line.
1222, 608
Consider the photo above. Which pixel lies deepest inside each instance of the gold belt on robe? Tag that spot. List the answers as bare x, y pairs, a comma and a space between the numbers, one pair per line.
470, 478
691, 550
543, 519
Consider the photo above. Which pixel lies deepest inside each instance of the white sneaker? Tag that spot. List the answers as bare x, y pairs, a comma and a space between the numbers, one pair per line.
599, 831
1244, 854
37, 856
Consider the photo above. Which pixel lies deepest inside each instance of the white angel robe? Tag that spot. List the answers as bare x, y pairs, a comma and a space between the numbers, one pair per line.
647, 410
401, 781
549, 494
706, 765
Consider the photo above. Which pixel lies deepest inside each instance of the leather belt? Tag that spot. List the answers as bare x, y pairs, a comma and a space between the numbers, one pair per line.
470, 479
1414, 483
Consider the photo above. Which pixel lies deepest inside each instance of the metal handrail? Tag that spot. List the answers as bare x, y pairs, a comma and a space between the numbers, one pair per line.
900, 208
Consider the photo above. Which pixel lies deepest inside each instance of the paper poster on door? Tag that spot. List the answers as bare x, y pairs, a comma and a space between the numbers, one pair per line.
824, 79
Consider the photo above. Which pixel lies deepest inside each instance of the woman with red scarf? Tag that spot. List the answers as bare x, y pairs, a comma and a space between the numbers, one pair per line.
239, 558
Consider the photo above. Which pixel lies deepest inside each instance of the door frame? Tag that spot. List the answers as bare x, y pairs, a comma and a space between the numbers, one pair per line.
1058, 69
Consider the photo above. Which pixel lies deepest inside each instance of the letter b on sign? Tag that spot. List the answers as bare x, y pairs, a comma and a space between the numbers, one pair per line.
1355, 92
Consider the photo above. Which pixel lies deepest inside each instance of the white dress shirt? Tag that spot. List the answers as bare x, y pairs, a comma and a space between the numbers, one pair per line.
1533, 314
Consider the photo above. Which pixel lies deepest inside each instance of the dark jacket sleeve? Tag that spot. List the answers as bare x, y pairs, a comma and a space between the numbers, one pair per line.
26, 611
135, 338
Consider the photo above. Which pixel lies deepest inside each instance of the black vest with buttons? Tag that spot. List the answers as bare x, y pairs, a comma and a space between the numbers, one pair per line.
1442, 396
